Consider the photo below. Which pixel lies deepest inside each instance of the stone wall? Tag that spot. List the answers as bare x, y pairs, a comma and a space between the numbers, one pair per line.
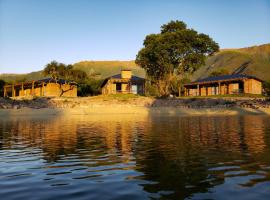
109, 88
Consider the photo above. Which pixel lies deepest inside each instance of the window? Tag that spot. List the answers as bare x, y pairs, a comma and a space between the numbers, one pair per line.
118, 87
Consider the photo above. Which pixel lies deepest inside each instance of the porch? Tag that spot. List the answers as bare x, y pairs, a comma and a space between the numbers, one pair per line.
216, 88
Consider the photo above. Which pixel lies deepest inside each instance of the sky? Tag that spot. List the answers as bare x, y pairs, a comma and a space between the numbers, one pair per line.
35, 32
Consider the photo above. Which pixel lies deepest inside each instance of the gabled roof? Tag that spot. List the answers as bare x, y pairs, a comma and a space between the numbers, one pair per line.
223, 78
46, 80
118, 76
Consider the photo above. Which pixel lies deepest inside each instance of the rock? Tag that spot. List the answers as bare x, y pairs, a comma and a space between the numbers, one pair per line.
15, 107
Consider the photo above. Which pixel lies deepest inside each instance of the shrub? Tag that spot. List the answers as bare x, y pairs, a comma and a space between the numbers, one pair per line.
2, 83
151, 89
266, 87
90, 87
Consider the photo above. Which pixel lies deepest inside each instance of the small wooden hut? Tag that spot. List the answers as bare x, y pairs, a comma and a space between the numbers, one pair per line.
222, 85
123, 83
44, 87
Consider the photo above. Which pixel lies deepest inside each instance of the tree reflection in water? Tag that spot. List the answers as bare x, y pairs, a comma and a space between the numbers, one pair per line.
173, 157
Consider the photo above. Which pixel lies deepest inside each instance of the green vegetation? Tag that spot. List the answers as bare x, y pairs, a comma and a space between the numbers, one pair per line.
252, 61
257, 60
219, 72
150, 89
95, 69
59, 70
96, 72
173, 53
87, 85
2, 83
118, 97
104, 69
91, 86
15, 78
266, 87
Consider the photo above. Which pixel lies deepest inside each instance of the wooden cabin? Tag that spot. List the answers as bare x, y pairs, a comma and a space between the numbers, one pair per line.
124, 83
222, 85
48, 87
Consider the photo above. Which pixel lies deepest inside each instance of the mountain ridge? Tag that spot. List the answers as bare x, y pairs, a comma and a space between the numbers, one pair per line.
254, 60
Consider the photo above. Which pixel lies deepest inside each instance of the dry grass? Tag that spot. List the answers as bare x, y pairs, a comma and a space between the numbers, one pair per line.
255, 60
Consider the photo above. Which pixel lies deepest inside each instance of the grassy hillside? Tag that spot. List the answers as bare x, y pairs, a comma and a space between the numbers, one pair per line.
103, 69
98, 69
22, 77
252, 61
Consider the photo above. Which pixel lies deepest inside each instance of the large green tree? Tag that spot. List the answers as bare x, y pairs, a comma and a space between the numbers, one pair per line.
173, 53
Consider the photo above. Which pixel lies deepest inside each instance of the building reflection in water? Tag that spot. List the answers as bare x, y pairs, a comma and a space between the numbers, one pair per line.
178, 155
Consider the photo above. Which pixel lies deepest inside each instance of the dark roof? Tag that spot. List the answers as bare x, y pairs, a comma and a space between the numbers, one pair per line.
118, 76
224, 78
45, 80
133, 78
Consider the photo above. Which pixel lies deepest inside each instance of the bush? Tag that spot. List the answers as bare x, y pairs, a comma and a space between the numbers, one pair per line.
2, 83
90, 87
176, 83
151, 89
266, 87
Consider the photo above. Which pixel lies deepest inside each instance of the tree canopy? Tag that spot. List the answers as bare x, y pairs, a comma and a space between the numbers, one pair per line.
59, 70
175, 51
87, 85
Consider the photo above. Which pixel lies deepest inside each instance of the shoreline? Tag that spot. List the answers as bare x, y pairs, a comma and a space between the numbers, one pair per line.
133, 105
159, 111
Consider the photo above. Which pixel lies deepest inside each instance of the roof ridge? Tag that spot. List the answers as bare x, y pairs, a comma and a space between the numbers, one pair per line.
224, 77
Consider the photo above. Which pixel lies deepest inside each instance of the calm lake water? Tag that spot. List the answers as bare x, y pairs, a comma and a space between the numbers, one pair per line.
135, 157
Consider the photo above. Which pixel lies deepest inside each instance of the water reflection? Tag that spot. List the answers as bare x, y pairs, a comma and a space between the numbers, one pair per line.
135, 157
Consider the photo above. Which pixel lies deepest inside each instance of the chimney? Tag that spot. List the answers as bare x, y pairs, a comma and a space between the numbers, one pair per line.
125, 73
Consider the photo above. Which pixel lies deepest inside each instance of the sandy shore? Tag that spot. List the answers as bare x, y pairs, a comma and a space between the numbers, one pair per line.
137, 110
133, 105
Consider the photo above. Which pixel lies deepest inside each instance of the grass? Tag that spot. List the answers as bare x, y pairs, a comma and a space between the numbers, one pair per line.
117, 97
128, 97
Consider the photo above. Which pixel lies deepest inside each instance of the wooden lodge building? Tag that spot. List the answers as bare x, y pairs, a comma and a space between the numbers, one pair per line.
222, 85
48, 87
123, 83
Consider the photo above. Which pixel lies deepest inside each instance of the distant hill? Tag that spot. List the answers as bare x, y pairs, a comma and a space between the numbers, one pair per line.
97, 69
251, 60
105, 69
22, 77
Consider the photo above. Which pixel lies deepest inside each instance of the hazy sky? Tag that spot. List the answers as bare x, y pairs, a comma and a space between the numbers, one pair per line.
35, 32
